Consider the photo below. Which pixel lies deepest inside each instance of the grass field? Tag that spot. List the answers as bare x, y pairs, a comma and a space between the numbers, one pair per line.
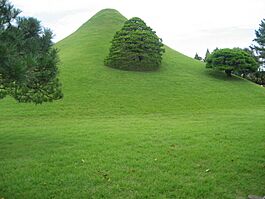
180, 132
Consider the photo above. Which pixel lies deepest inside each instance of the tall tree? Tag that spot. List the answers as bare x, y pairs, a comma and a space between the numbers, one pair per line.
135, 47
259, 47
206, 55
28, 61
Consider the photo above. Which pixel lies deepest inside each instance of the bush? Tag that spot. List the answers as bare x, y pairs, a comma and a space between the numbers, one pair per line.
257, 77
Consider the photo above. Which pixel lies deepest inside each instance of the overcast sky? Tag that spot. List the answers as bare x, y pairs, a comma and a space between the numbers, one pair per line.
189, 26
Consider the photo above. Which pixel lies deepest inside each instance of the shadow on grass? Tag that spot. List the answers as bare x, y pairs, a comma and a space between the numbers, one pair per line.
222, 76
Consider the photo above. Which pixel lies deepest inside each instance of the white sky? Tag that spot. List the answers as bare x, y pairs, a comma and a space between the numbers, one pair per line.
189, 26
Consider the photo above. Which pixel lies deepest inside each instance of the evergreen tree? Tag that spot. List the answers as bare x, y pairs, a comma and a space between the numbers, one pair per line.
216, 49
252, 53
135, 47
260, 43
197, 57
28, 61
206, 55
231, 60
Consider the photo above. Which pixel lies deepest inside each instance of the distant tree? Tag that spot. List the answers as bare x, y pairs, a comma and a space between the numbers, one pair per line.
28, 61
206, 55
197, 57
231, 60
216, 49
259, 47
135, 47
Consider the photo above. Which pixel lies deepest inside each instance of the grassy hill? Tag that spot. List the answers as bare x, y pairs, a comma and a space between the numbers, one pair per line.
180, 132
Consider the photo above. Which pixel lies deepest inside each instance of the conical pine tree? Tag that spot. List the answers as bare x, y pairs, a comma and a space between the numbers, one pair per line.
206, 55
259, 47
197, 57
135, 47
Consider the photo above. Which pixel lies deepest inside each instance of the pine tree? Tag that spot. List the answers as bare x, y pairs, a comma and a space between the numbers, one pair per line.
28, 61
232, 60
206, 55
135, 47
260, 43
197, 57
216, 49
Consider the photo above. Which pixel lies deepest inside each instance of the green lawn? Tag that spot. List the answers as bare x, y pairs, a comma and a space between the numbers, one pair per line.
181, 132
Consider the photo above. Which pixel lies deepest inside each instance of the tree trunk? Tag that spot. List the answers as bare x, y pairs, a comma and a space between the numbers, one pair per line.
228, 73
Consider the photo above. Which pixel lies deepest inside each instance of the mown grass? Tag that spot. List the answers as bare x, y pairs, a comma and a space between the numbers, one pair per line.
180, 132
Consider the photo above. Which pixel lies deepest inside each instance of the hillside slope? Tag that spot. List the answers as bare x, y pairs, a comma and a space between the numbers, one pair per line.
182, 83
119, 134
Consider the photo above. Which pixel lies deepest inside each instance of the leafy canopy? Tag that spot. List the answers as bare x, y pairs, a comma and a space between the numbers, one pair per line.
231, 60
28, 62
135, 47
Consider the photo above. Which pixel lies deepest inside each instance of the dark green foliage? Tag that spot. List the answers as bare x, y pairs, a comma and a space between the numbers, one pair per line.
197, 57
231, 60
260, 42
28, 63
251, 52
206, 55
135, 47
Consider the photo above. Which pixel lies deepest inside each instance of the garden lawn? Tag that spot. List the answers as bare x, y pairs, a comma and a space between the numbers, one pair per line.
180, 132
